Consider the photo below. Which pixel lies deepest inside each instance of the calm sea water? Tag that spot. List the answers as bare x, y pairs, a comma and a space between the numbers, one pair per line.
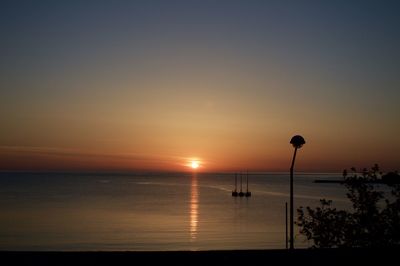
42, 211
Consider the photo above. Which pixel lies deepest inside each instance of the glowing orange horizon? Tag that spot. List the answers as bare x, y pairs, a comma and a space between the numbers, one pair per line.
275, 157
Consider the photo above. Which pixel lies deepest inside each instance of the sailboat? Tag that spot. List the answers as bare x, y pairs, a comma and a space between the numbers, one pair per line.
235, 193
241, 193
248, 193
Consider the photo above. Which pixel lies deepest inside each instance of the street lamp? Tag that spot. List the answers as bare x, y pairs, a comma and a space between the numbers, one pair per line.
297, 141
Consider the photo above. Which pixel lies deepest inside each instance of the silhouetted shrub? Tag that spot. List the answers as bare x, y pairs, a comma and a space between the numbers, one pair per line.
374, 221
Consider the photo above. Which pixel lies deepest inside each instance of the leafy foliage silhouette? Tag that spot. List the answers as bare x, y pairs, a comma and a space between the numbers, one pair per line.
373, 222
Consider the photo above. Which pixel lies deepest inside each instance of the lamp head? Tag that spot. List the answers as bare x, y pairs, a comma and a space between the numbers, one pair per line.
297, 141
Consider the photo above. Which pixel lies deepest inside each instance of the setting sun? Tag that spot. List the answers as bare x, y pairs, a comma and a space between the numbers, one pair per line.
194, 164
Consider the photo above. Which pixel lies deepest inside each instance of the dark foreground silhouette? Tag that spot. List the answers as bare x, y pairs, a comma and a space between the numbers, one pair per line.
243, 257
372, 222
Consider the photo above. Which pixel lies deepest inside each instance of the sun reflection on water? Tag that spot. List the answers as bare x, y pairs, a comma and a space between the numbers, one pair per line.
194, 208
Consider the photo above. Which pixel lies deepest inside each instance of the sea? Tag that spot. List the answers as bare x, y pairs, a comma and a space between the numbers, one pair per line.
154, 211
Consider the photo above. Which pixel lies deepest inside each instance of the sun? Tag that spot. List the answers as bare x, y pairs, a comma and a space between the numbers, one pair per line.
194, 164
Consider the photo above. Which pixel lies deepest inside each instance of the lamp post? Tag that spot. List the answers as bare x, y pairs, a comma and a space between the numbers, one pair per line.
297, 141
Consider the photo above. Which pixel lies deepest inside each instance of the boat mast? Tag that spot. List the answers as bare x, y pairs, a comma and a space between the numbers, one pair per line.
240, 182
235, 182
247, 187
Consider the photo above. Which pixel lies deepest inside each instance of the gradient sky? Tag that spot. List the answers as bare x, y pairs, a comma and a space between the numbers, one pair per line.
148, 85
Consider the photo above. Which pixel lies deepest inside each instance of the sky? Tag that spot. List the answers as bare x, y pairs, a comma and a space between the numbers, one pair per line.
152, 85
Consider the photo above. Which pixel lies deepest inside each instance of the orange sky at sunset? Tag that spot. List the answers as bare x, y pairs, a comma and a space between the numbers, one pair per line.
150, 88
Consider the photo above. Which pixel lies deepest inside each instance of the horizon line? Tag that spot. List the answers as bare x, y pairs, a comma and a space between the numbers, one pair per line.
128, 172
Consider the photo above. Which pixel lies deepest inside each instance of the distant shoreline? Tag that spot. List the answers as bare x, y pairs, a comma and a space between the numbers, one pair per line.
331, 181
